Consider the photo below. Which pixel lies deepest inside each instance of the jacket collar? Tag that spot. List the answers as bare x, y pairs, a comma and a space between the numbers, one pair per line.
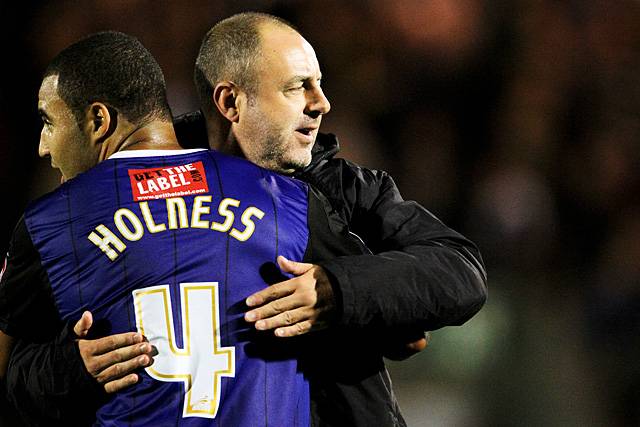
325, 148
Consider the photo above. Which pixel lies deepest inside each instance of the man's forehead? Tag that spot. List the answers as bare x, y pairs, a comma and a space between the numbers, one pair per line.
48, 89
288, 49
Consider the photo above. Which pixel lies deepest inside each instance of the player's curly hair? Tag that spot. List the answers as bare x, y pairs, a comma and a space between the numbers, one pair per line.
113, 68
229, 51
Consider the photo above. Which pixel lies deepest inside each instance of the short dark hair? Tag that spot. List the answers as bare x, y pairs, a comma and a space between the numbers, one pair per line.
229, 51
114, 68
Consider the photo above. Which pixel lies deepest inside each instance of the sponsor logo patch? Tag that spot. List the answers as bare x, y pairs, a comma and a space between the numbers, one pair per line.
170, 181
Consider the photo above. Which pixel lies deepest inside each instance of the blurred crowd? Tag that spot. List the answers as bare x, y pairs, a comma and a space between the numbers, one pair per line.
515, 122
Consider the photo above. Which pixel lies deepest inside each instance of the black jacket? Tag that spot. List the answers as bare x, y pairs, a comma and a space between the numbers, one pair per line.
422, 276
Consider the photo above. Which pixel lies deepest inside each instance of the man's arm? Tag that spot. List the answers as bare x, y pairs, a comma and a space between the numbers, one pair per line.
420, 264
423, 274
48, 382
112, 361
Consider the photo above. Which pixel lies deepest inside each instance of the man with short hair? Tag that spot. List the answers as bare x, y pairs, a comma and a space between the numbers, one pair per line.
259, 84
258, 81
148, 236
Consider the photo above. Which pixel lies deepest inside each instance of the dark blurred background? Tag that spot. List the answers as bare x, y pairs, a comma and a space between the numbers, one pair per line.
517, 123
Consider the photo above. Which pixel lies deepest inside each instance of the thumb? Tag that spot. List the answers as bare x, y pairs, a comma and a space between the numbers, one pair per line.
296, 268
420, 344
83, 325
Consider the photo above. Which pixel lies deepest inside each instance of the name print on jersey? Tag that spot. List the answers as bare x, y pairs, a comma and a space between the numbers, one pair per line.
174, 216
172, 181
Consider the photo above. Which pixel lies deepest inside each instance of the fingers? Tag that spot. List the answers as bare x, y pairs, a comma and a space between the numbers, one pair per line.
403, 350
81, 328
97, 363
280, 304
296, 268
289, 316
100, 354
417, 346
271, 293
120, 375
291, 307
287, 287
294, 330
113, 360
120, 384
112, 342
287, 319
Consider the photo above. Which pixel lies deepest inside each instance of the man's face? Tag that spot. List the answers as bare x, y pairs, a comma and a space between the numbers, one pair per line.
61, 138
279, 123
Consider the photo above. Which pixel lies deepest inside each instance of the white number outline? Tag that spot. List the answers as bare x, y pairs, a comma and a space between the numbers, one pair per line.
190, 408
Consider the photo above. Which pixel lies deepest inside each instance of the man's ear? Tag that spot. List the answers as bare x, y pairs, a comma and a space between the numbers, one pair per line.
225, 97
100, 123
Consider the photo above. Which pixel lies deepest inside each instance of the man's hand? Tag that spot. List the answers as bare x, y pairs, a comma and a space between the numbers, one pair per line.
402, 351
295, 306
6, 344
112, 360
419, 345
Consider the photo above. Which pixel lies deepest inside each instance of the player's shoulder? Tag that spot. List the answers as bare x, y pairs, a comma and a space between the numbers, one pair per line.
100, 177
271, 178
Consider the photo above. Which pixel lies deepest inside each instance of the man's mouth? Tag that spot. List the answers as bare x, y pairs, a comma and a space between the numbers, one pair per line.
305, 131
308, 133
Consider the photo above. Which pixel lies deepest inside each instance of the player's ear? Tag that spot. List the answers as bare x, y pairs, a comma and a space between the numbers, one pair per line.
100, 121
226, 95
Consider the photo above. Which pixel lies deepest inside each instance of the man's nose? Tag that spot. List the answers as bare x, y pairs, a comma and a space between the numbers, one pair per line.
43, 149
317, 102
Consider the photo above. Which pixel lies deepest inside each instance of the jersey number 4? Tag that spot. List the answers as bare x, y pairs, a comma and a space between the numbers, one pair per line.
202, 362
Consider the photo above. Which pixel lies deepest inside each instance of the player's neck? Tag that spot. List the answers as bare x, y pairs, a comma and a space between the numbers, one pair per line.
157, 135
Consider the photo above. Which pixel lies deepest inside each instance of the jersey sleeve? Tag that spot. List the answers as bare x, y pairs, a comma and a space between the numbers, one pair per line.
27, 308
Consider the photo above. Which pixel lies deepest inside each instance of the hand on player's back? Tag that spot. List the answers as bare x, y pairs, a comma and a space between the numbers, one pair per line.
295, 306
112, 360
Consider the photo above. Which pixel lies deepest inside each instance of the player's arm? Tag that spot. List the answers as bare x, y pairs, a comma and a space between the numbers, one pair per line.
112, 361
50, 369
67, 379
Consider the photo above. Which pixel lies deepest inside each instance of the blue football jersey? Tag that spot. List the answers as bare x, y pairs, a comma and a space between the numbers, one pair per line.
170, 244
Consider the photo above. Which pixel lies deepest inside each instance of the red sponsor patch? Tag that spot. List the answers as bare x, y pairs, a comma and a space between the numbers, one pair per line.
169, 181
